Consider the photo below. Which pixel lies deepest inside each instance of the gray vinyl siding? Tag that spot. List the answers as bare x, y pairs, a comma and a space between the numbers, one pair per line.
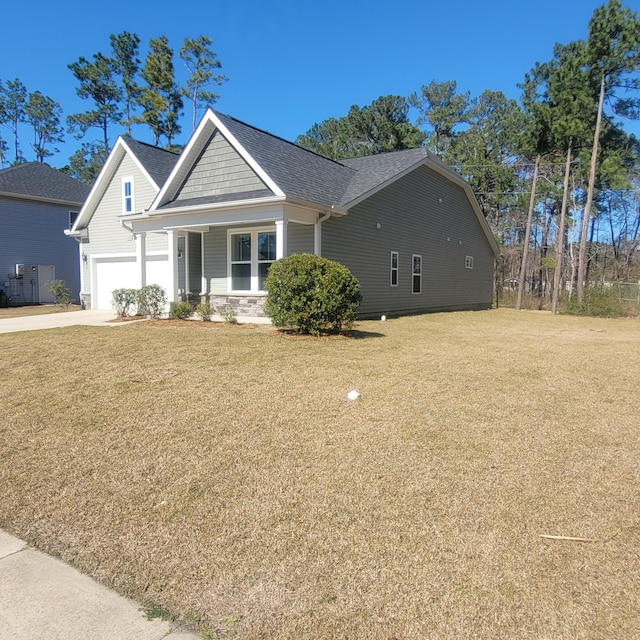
215, 260
299, 238
182, 264
33, 234
219, 170
195, 262
106, 234
424, 214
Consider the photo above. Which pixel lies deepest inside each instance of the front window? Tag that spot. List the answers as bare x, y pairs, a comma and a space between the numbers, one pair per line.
252, 253
266, 255
241, 262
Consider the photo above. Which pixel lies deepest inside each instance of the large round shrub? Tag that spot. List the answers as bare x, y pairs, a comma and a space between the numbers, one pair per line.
311, 293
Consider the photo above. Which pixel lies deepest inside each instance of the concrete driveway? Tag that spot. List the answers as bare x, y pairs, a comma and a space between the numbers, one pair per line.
63, 319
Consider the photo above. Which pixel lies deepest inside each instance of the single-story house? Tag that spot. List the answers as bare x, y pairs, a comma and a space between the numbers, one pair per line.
206, 224
37, 204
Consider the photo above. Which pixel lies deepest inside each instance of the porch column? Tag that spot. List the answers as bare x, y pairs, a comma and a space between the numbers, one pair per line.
317, 238
141, 258
281, 238
203, 278
172, 247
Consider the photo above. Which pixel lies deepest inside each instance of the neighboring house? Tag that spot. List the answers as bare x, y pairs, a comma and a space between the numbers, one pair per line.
208, 223
37, 205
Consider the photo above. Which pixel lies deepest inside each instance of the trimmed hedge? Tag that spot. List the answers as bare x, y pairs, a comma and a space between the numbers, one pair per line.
312, 294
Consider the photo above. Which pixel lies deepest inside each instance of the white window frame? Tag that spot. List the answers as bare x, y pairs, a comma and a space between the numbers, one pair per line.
416, 273
468, 262
73, 216
253, 232
128, 198
394, 270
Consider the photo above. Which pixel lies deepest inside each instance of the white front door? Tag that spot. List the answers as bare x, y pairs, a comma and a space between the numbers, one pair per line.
46, 273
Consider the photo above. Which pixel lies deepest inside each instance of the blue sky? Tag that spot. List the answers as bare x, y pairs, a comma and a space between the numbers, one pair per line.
293, 63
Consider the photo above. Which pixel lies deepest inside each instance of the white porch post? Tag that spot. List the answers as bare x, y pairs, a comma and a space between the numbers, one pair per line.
141, 258
317, 238
203, 283
172, 246
281, 238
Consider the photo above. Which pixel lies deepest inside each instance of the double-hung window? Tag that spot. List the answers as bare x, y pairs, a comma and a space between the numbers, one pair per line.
394, 269
127, 195
417, 274
251, 253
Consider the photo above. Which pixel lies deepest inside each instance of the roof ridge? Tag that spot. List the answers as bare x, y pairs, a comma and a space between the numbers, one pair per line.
277, 137
126, 138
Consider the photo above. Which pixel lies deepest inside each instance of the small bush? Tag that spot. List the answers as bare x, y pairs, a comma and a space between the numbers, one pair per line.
60, 292
152, 300
228, 314
180, 310
122, 300
204, 311
311, 293
600, 302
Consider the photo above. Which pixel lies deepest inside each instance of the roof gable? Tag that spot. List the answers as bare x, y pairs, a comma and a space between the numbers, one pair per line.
154, 163
39, 181
220, 170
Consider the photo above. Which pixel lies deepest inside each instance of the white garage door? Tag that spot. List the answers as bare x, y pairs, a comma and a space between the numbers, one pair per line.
122, 272
113, 273
158, 271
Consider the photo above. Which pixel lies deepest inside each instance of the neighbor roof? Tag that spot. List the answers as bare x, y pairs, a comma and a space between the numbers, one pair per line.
39, 181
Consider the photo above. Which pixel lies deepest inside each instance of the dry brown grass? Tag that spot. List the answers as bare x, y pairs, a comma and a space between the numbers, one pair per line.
35, 310
222, 473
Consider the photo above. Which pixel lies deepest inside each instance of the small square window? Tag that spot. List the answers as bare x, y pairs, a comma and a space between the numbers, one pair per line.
468, 262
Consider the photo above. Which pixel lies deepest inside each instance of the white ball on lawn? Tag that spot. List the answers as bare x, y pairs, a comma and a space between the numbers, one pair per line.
353, 395
383, 318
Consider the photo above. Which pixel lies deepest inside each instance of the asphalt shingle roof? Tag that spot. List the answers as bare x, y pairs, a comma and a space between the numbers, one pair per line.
300, 173
39, 180
158, 162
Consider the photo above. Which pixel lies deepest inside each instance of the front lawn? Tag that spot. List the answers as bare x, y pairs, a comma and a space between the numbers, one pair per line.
35, 310
221, 473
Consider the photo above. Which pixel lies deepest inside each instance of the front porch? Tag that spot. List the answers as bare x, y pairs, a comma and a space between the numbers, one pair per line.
221, 261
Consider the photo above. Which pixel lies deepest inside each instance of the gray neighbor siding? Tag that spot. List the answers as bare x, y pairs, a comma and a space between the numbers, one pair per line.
33, 234
424, 214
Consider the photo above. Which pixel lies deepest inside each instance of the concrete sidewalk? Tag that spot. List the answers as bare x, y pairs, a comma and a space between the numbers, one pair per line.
62, 319
42, 597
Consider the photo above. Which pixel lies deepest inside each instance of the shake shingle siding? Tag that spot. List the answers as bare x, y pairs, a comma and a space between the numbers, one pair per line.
220, 170
422, 214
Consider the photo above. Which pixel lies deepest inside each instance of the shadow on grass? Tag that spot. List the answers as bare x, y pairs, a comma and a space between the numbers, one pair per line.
362, 335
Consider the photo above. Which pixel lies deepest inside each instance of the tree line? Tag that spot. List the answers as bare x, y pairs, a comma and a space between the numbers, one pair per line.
548, 170
121, 91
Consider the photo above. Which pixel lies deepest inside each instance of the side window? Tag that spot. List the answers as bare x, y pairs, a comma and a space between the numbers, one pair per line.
73, 216
128, 205
468, 262
394, 269
417, 273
